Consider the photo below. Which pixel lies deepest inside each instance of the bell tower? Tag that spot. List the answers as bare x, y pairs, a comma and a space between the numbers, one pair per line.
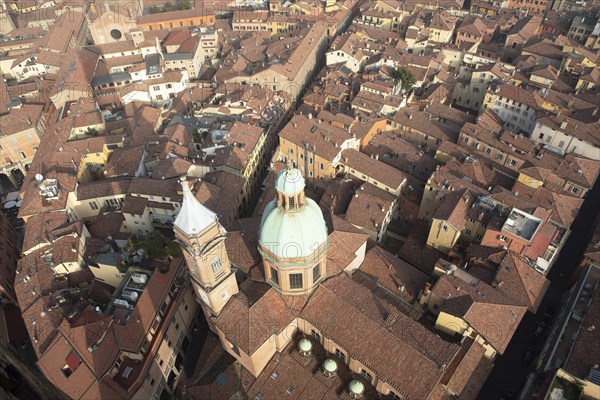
202, 239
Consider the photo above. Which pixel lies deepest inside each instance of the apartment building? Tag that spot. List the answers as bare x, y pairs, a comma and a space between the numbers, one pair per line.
293, 75
570, 173
516, 107
22, 130
195, 18
568, 135
315, 147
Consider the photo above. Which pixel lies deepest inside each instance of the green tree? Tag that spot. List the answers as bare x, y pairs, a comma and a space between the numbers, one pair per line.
154, 10
405, 76
184, 4
168, 6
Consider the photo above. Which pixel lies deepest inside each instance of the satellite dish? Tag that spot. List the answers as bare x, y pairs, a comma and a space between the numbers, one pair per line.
97, 309
39, 177
42, 314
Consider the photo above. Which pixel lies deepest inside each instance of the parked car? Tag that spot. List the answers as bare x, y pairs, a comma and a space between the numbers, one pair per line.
529, 355
540, 328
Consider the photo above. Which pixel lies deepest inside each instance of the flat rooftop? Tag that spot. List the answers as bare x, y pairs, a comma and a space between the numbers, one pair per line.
521, 224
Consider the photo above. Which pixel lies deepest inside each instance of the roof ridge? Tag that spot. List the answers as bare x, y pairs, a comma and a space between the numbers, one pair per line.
379, 326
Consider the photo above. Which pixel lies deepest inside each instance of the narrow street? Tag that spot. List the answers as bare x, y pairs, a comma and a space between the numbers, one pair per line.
510, 371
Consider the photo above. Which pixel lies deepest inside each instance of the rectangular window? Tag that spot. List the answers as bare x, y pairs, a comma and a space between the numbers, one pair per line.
468, 232
478, 237
444, 228
295, 281
368, 377
340, 355
315, 335
274, 276
291, 201
217, 266
93, 205
22, 154
316, 272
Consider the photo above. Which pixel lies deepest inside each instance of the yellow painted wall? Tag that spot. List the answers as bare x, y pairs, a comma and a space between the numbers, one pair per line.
529, 181
450, 324
441, 239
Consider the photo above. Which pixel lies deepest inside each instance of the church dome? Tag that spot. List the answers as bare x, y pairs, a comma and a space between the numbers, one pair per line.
292, 233
292, 225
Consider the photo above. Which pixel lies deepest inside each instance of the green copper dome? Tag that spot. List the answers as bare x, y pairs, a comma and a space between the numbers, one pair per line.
330, 365
356, 387
289, 181
305, 345
292, 233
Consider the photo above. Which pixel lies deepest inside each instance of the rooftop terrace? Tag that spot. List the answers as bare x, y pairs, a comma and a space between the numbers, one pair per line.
521, 224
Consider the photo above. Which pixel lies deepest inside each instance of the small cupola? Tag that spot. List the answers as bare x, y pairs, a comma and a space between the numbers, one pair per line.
305, 347
329, 368
356, 389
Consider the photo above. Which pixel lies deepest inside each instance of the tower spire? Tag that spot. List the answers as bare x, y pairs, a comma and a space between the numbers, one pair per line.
193, 217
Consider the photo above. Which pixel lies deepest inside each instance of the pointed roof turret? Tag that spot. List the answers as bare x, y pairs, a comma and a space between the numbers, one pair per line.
193, 217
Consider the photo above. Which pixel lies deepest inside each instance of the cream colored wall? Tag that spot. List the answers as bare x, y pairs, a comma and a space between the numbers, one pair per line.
306, 271
441, 36
450, 324
357, 262
67, 268
82, 209
137, 224
431, 200
27, 146
590, 390
440, 239
529, 181
219, 297
108, 273
571, 143
490, 352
